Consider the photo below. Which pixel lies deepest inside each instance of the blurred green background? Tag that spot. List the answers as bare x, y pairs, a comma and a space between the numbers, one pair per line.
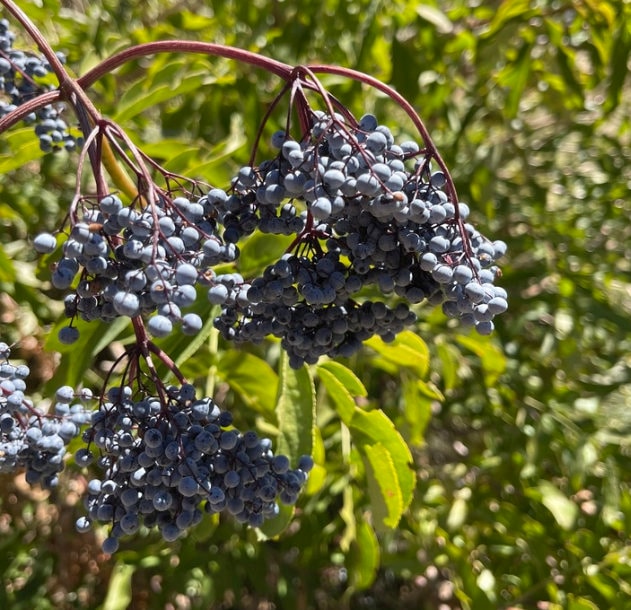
521, 442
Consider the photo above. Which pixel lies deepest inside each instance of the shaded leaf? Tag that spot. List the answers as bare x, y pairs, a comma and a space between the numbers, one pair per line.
364, 556
251, 377
295, 410
272, 528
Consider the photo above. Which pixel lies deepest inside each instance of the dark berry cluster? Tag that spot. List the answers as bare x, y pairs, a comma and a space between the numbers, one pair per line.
123, 261
374, 232
21, 75
31, 438
168, 460
372, 222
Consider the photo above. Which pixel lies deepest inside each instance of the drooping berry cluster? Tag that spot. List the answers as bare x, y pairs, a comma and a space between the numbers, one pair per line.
33, 439
372, 222
21, 75
374, 232
168, 460
132, 261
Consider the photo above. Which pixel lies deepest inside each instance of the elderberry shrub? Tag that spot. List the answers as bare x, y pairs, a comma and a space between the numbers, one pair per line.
32, 439
370, 217
21, 74
165, 462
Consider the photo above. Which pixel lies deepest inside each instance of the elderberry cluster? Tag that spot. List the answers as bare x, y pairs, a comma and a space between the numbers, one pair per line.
372, 221
168, 460
122, 261
21, 75
30, 438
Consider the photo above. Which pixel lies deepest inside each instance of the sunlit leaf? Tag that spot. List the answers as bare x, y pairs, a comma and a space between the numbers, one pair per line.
407, 350
383, 485
562, 508
251, 377
372, 428
342, 386
119, 592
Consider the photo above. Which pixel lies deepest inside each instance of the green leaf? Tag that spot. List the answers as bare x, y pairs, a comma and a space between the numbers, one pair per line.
508, 10
417, 408
260, 250
251, 377
562, 508
515, 77
295, 410
194, 343
119, 592
372, 429
23, 147
363, 559
347, 377
166, 79
7, 271
77, 358
317, 476
491, 356
272, 528
407, 350
383, 485
338, 381
436, 17
620, 52
580, 603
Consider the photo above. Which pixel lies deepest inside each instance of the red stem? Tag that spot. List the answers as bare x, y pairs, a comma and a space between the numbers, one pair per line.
407, 107
183, 46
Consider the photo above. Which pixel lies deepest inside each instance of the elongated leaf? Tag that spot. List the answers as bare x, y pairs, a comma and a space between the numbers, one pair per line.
7, 271
194, 343
621, 50
317, 476
23, 146
76, 360
417, 409
339, 394
167, 78
119, 592
345, 376
383, 486
369, 429
363, 559
295, 410
507, 11
515, 79
436, 17
575, 602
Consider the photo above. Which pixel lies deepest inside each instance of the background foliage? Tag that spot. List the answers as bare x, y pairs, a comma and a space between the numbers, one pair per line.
520, 444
